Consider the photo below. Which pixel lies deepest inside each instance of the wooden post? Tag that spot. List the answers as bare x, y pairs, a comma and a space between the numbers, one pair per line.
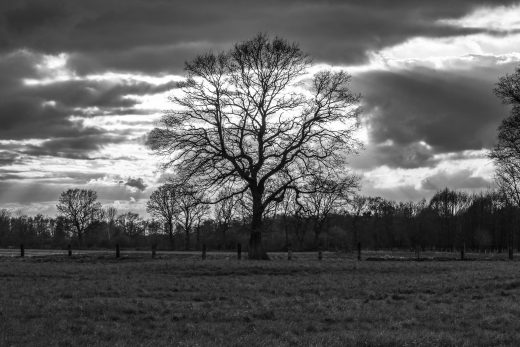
289, 254
320, 255
239, 251
22, 250
359, 251
203, 251
154, 250
69, 248
118, 253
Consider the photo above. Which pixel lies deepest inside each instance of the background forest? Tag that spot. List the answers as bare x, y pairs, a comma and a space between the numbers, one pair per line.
449, 221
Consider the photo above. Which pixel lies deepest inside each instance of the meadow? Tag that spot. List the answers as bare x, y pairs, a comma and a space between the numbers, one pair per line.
181, 300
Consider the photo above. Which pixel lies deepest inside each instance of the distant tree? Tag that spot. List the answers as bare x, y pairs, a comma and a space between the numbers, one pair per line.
109, 216
60, 230
418, 233
450, 206
131, 224
5, 226
80, 207
249, 119
288, 208
190, 208
42, 226
225, 209
382, 212
178, 202
358, 206
163, 205
323, 196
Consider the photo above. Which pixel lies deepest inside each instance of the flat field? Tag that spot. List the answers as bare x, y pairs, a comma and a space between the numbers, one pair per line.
95, 299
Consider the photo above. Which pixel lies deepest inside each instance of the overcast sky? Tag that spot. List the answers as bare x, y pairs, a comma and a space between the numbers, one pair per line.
82, 83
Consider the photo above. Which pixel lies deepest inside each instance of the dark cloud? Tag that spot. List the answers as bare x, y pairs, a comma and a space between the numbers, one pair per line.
96, 93
416, 113
136, 183
77, 147
8, 158
462, 179
408, 156
159, 35
53, 111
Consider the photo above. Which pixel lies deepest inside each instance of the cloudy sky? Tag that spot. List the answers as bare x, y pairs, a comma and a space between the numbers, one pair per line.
82, 83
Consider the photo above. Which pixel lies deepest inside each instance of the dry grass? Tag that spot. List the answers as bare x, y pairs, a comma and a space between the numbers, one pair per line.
95, 300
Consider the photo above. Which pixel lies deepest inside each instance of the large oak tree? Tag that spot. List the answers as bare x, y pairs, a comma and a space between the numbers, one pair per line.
254, 118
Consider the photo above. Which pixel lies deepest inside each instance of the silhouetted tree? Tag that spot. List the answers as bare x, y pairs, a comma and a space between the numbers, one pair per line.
5, 227
189, 206
80, 207
250, 122
163, 205
359, 205
109, 215
224, 212
323, 196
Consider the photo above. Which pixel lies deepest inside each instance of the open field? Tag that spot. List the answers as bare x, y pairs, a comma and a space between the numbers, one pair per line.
94, 299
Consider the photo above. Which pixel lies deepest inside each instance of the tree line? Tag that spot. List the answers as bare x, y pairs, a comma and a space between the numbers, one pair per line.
450, 220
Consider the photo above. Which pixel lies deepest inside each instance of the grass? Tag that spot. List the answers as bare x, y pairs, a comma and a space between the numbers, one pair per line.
97, 300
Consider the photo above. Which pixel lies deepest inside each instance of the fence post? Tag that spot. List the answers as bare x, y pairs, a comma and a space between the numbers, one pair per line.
203, 251
320, 255
22, 250
289, 254
239, 251
69, 248
118, 253
154, 250
359, 251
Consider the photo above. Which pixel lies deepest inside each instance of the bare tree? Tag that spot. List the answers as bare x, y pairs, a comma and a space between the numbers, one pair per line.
109, 215
163, 205
506, 156
80, 207
190, 208
225, 211
252, 119
288, 209
359, 205
324, 196
131, 224
506, 153
450, 205
5, 225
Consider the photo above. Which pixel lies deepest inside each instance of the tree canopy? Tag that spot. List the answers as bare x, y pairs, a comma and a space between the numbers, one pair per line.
255, 119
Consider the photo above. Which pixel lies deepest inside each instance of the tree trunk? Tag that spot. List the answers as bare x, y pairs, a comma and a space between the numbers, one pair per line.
80, 235
170, 234
187, 245
256, 250
197, 229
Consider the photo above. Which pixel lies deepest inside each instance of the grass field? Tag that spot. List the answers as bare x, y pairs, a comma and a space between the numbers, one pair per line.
98, 300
